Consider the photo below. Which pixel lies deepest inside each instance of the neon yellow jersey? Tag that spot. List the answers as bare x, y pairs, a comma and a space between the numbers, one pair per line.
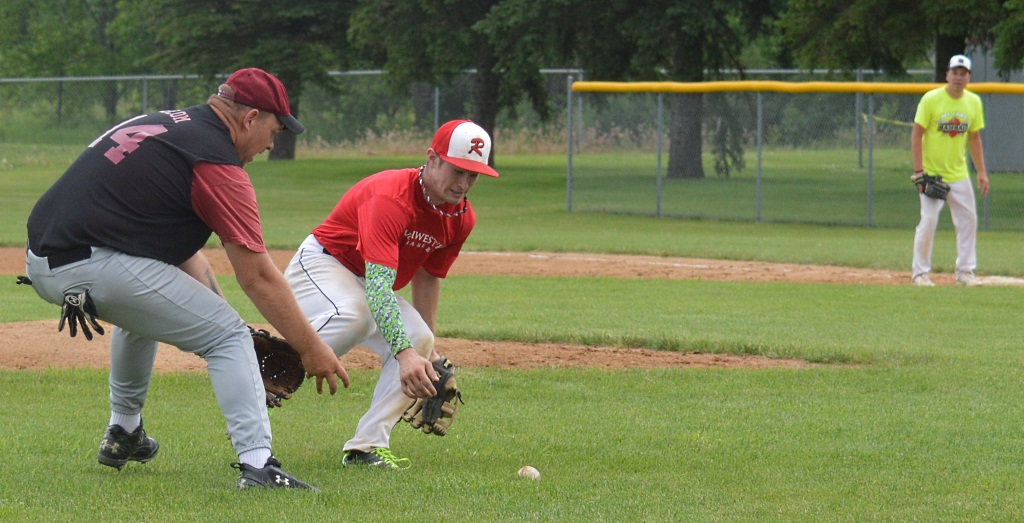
947, 121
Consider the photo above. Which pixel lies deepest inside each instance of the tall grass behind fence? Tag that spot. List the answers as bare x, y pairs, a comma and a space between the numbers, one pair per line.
73, 110
838, 158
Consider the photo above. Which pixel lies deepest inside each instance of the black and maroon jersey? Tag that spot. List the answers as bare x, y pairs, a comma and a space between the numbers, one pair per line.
131, 190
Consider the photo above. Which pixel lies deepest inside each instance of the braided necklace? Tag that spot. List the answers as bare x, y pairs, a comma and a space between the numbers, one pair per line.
465, 199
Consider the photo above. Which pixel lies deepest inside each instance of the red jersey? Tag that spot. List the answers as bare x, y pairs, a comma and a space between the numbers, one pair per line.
385, 219
224, 198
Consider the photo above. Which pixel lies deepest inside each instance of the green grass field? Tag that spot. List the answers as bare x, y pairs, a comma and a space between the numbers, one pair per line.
911, 413
797, 186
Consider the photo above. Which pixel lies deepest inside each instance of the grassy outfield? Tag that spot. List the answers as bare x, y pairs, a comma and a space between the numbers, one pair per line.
524, 210
911, 413
805, 186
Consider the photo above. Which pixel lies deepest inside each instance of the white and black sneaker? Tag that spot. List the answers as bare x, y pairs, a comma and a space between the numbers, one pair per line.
922, 280
270, 476
379, 457
118, 447
966, 279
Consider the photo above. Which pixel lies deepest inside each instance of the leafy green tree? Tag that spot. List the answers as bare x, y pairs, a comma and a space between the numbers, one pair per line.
58, 37
1009, 41
299, 42
887, 35
62, 38
435, 42
424, 43
621, 40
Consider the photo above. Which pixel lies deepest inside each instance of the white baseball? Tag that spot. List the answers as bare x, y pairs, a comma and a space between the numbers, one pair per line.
529, 472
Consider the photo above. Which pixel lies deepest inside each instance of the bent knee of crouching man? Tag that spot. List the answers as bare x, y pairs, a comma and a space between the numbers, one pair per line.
222, 341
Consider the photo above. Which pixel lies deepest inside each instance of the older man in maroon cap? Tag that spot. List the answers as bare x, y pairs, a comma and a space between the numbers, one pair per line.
118, 238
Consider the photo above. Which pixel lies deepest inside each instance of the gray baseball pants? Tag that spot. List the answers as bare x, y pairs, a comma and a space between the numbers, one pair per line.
149, 301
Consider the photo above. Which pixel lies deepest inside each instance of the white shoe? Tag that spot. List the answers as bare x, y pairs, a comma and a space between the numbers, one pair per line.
967, 279
922, 280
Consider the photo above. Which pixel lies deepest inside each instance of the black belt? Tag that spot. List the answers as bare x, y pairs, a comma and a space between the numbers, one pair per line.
63, 258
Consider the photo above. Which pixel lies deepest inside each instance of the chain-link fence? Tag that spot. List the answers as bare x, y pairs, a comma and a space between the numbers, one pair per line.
840, 158
812, 157
358, 114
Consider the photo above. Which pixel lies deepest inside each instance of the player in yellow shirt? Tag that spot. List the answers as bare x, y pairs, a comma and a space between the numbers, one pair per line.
948, 122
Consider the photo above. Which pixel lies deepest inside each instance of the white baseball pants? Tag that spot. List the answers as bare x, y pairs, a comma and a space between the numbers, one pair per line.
965, 222
334, 301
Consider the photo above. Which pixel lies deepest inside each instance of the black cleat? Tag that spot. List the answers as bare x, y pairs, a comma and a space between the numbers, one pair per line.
270, 476
119, 447
379, 457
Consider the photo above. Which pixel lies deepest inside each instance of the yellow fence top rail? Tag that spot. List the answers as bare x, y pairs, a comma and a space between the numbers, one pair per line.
786, 87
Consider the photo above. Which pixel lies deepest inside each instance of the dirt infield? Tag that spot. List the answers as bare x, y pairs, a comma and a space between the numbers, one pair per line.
35, 345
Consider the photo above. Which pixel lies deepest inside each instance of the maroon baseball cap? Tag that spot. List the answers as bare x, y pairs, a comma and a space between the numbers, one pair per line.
465, 145
261, 90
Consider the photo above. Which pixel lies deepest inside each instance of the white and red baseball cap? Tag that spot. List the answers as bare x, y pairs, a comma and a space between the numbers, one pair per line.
465, 145
261, 90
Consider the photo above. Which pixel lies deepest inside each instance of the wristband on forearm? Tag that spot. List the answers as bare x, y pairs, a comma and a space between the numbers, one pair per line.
384, 307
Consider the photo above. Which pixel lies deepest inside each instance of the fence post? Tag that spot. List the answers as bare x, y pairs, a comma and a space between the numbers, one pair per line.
579, 120
60, 103
437, 107
858, 123
984, 201
871, 151
568, 160
145, 95
760, 149
661, 132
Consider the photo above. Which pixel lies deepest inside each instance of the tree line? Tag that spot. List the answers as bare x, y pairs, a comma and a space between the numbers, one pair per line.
507, 43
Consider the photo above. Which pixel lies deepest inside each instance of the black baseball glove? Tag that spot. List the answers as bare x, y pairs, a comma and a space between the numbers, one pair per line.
280, 366
434, 415
78, 310
931, 186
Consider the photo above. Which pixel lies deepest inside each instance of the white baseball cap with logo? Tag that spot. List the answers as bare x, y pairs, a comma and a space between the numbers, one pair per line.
960, 61
465, 145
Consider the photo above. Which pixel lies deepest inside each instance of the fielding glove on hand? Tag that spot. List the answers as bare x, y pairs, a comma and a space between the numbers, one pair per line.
435, 414
280, 366
78, 309
931, 186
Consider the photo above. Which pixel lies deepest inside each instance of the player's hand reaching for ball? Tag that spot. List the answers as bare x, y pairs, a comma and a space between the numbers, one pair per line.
323, 364
417, 374
264, 284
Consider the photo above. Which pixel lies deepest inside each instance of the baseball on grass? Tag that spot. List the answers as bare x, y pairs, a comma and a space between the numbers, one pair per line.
529, 472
